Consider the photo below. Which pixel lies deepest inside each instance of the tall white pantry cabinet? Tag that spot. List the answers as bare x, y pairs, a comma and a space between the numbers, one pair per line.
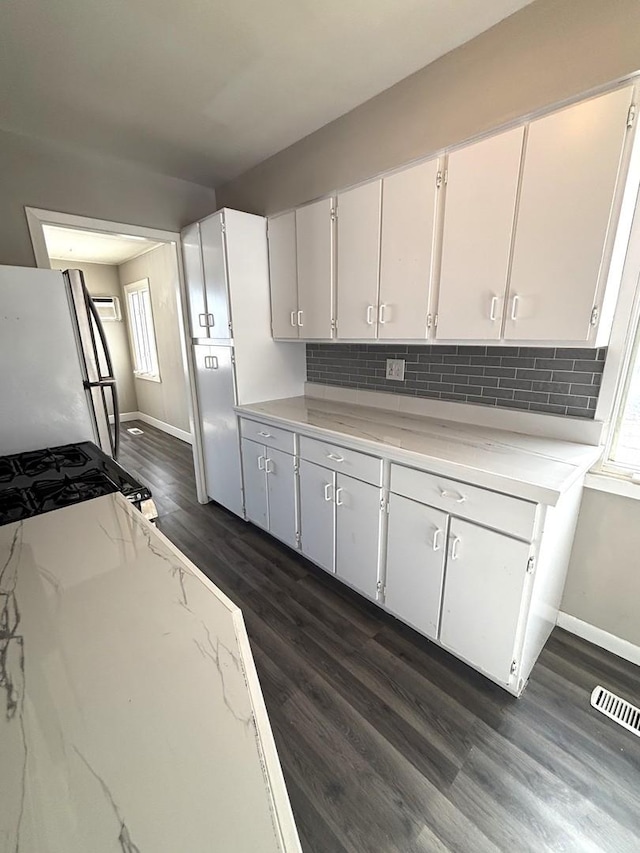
235, 358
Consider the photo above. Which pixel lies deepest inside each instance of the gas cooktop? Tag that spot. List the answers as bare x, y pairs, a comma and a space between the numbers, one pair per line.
43, 480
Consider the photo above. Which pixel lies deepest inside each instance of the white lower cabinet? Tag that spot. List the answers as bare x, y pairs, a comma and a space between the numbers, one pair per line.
416, 550
357, 533
424, 547
270, 490
317, 534
483, 591
340, 525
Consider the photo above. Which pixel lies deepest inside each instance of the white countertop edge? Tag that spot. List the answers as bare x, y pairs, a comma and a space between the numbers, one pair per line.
497, 482
282, 812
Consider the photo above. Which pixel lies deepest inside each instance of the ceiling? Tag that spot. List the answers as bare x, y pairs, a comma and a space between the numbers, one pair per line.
93, 247
204, 90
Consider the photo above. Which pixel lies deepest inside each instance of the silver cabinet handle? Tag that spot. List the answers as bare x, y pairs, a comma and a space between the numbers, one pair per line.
381, 311
456, 496
437, 544
210, 320
264, 434
494, 306
454, 547
327, 492
370, 310
514, 308
211, 362
293, 319
206, 320
339, 500
267, 463
300, 318
261, 461
335, 457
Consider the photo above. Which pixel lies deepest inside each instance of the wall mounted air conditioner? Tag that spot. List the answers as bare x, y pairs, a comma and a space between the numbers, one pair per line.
108, 307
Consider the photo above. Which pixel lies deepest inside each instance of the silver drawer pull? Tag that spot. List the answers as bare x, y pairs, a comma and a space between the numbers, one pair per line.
334, 457
455, 496
437, 544
264, 434
327, 492
454, 547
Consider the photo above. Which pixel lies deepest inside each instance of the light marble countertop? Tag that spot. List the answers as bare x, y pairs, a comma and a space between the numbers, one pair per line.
531, 467
132, 718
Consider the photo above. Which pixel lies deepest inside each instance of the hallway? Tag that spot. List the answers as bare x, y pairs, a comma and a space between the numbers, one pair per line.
388, 743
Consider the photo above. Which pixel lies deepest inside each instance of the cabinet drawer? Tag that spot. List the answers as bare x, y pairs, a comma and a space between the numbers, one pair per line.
502, 512
351, 462
270, 436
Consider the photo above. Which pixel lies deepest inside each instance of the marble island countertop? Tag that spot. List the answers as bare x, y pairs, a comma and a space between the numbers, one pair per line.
531, 467
131, 715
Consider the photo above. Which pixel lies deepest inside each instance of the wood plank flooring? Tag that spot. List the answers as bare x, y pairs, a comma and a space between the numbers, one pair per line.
388, 744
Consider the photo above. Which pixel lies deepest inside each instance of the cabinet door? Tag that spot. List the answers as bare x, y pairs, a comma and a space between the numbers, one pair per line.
358, 261
357, 533
314, 239
481, 190
215, 276
220, 438
416, 550
483, 589
571, 165
317, 514
283, 276
281, 487
255, 483
408, 223
194, 279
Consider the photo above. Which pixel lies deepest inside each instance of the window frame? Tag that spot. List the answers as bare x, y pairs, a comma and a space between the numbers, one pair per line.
630, 357
142, 286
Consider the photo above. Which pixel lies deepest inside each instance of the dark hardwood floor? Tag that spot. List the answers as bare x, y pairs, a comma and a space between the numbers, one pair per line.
387, 742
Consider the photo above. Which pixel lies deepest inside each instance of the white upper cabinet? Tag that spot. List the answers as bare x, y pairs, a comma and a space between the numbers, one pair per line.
283, 276
314, 244
407, 244
481, 191
215, 276
194, 274
358, 261
571, 168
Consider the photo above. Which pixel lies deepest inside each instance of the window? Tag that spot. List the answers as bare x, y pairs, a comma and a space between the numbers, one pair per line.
623, 456
141, 330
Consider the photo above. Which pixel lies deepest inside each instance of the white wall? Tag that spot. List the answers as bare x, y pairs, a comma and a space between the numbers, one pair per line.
103, 280
165, 400
603, 585
40, 174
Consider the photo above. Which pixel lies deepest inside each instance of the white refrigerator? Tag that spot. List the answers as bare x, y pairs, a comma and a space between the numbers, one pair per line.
56, 374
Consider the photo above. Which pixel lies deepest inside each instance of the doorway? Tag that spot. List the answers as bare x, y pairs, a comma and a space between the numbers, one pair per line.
134, 276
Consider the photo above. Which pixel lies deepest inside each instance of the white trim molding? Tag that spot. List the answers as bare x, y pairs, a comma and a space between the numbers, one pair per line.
176, 432
603, 639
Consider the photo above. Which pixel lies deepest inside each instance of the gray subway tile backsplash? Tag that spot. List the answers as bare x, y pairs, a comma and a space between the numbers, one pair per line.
562, 381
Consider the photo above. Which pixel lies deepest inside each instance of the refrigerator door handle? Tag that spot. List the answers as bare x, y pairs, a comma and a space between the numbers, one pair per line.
109, 380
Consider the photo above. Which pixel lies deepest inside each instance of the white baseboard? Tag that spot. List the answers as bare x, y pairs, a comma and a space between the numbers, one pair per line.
616, 645
165, 427
176, 432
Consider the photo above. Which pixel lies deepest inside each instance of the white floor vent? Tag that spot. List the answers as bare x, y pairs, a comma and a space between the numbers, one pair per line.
135, 431
617, 709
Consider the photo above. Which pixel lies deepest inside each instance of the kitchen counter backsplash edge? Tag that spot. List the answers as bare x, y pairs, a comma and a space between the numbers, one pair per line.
563, 381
